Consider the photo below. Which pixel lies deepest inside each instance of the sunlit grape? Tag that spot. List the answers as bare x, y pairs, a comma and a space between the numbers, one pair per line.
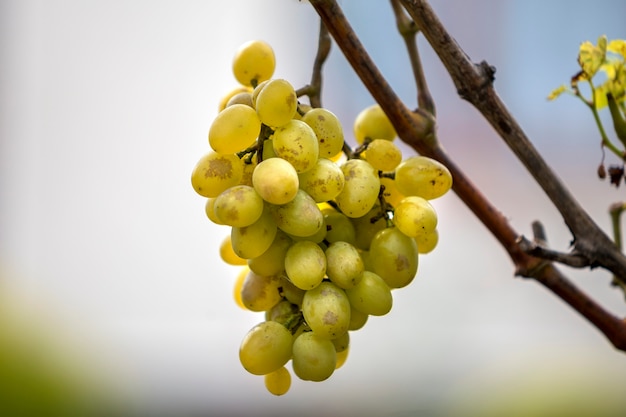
305, 264
276, 181
215, 173
296, 143
253, 63
423, 177
373, 123
276, 103
383, 155
360, 192
278, 382
414, 216
328, 130
238, 206
234, 129
324, 181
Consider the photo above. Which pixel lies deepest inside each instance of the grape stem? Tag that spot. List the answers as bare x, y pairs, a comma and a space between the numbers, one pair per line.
474, 83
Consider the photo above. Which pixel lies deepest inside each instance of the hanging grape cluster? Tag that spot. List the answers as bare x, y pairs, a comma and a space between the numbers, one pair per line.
323, 233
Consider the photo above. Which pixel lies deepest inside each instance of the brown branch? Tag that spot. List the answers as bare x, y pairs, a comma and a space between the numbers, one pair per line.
417, 130
474, 83
314, 89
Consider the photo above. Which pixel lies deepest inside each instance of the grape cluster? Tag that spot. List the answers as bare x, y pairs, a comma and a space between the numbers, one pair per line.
323, 233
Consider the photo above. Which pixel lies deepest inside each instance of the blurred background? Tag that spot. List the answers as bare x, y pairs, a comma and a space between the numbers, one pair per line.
112, 292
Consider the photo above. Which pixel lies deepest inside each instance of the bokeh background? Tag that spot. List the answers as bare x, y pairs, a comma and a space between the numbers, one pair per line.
112, 290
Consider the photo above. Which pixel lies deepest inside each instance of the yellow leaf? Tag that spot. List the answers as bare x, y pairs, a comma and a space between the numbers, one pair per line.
591, 57
617, 46
599, 99
557, 92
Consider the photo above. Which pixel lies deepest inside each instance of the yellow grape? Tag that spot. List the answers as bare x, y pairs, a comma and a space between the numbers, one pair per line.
234, 129
394, 257
415, 216
423, 177
324, 181
296, 143
305, 264
341, 358
342, 342
260, 292
276, 103
391, 193
241, 277
360, 192
209, 209
237, 90
257, 90
426, 242
345, 266
328, 130
265, 348
373, 123
276, 181
383, 155
238, 206
326, 309
215, 173
317, 237
357, 319
371, 295
254, 62
244, 97
228, 255
300, 217
314, 358
251, 241
272, 261
278, 382
248, 170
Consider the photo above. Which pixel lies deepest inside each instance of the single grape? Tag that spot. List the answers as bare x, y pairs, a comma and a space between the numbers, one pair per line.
299, 217
423, 177
426, 242
317, 237
342, 342
241, 277
254, 62
383, 155
226, 98
357, 319
338, 227
324, 181
373, 123
265, 348
234, 129
327, 129
371, 295
305, 264
296, 142
215, 173
345, 266
292, 293
209, 209
251, 241
367, 226
276, 181
314, 358
276, 103
394, 257
326, 309
243, 97
360, 192
272, 261
238, 206
259, 292
415, 216
278, 382
341, 358
228, 255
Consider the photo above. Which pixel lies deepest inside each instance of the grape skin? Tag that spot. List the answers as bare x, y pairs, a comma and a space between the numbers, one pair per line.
253, 63
266, 348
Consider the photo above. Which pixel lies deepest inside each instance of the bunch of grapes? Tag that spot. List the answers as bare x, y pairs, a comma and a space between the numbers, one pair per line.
323, 232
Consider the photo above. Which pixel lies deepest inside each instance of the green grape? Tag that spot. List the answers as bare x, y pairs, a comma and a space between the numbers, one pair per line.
228, 255
326, 309
296, 142
314, 358
238, 206
394, 257
299, 217
372, 123
317, 237
391, 193
338, 227
383, 155
251, 241
361, 188
328, 130
342, 342
215, 173
426, 242
268, 149
415, 216
265, 348
423, 177
276, 181
244, 97
260, 292
209, 209
324, 181
272, 261
341, 358
278, 382
357, 319
345, 265
292, 293
254, 62
365, 229
276, 103
234, 129
371, 295
284, 313
305, 264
